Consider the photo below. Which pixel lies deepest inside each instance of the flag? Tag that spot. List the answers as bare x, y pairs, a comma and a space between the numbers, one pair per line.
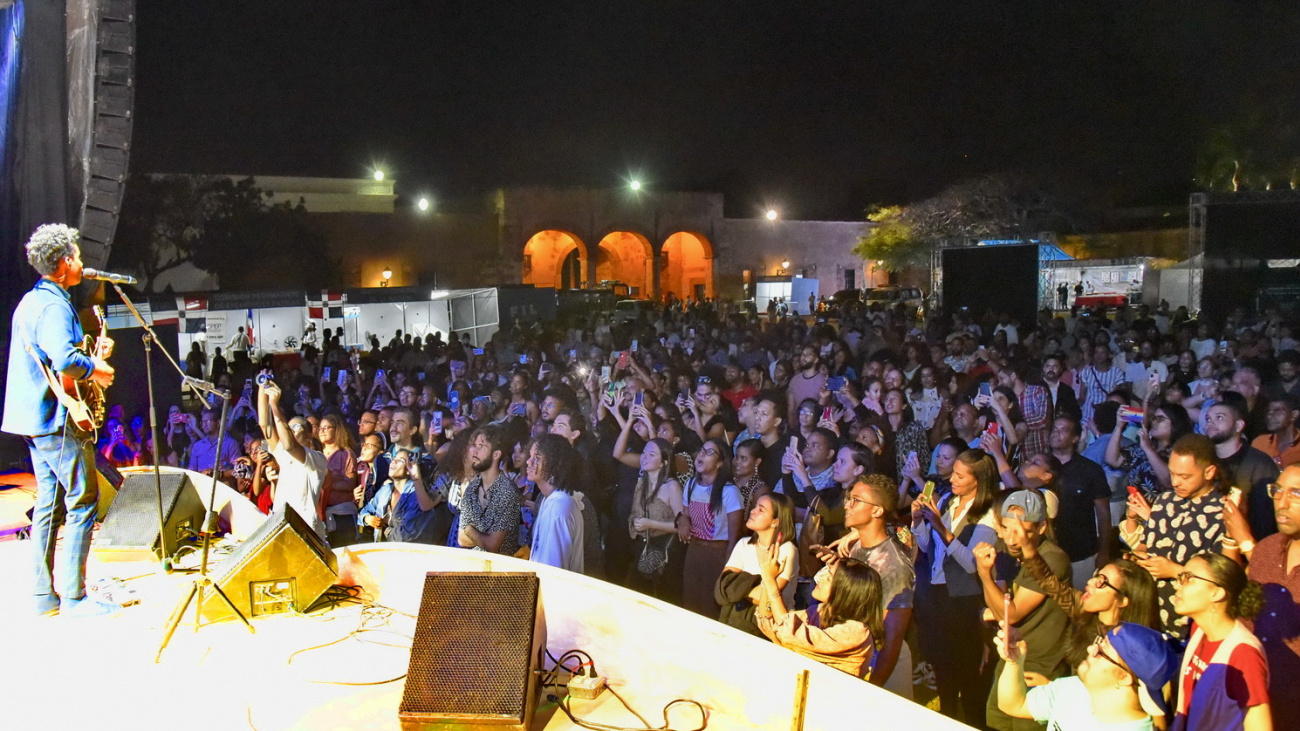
248, 329
328, 307
164, 314
193, 314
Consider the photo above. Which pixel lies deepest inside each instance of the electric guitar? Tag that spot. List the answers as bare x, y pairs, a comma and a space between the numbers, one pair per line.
84, 400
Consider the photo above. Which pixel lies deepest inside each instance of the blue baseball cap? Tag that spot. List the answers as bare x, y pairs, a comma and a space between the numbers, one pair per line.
1151, 657
1032, 507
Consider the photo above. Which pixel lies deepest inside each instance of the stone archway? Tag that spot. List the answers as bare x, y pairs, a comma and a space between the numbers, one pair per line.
627, 257
555, 259
687, 266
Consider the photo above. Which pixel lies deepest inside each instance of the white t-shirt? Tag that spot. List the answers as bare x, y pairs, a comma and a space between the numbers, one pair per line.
300, 484
1064, 705
731, 503
557, 532
745, 557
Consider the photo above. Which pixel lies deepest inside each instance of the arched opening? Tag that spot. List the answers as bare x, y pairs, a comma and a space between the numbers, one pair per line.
556, 259
626, 257
687, 267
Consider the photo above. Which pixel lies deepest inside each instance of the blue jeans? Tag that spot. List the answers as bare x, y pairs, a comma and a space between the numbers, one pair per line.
66, 494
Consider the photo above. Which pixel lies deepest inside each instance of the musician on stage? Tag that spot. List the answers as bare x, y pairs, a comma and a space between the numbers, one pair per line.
46, 328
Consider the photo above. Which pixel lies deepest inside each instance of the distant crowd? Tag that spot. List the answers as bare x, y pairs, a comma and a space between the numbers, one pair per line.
1089, 521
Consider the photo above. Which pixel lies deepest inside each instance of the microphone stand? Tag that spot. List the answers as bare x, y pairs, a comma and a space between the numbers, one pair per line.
149, 338
210, 518
210, 523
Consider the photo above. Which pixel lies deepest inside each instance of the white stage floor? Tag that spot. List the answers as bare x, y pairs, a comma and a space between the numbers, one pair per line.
99, 673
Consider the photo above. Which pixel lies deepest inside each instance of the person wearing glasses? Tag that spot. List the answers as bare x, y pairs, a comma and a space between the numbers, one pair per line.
1273, 565
1179, 524
870, 503
710, 525
1223, 681
1119, 685
1120, 591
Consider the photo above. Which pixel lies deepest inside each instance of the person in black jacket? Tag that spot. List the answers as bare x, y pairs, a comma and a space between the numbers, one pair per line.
1064, 402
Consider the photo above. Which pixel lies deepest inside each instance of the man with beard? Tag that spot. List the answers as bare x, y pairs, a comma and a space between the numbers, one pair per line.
1280, 443
1099, 379
1273, 564
807, 382
1179, 524
1083, 518
1041, 623
1063, 400
489, 508
1244, 468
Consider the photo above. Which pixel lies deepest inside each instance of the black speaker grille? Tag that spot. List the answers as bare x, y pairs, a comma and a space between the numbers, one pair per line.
473, 645
132, 519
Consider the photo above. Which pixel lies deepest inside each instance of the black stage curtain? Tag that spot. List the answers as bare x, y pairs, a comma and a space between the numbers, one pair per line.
34, 182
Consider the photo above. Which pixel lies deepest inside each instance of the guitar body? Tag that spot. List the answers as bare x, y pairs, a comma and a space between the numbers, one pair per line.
84, 400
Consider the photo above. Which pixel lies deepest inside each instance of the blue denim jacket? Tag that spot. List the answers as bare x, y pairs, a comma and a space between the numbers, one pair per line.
46, 320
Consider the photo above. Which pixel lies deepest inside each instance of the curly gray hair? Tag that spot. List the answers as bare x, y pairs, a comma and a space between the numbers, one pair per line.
49, 244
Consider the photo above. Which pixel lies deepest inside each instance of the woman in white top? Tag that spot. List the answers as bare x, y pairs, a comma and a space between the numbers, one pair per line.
770, 523
710, 526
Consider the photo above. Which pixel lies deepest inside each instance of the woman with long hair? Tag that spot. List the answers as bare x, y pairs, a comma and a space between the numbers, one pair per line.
907, 437
1146, 464
1224, 679
1120, 591
455, 472
559, 535
710, 525
656, 503
522, 402
745, 465
339, 489
770, 523
949, 602
849, 624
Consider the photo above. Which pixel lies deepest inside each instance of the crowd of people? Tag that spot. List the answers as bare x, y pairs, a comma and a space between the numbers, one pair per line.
1064, 522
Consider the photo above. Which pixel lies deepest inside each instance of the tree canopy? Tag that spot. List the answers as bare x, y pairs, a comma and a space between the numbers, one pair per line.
220, 225
1002, 206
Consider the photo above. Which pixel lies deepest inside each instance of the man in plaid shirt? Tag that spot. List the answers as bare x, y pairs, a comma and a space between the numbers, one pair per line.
1035, 405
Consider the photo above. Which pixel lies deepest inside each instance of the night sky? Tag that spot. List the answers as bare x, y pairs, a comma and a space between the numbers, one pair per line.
819, 109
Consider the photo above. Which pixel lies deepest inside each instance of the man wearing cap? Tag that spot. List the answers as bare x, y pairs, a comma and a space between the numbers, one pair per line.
1118, 687
1042, 624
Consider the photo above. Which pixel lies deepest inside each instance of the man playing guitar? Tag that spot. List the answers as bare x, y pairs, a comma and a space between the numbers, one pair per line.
46, 334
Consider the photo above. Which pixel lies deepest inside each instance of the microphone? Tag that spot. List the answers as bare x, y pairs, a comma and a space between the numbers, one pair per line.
89, 273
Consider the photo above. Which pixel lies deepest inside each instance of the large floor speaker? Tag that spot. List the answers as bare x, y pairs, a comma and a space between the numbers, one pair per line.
283, 566
478, 639
130, 532
108, 481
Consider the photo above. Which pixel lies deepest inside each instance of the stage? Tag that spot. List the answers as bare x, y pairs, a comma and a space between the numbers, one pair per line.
99, 673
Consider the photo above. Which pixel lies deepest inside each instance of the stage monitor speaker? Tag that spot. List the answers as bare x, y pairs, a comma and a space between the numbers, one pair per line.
477, 674
283, 566
109, 481
130, 532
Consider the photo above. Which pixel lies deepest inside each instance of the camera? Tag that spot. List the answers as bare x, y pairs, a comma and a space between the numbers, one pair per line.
263, 379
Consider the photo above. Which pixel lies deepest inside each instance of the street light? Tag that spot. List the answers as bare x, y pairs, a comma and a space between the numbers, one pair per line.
785, 263
379, 176
387, 274
771, 214
635, 185
423, 204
